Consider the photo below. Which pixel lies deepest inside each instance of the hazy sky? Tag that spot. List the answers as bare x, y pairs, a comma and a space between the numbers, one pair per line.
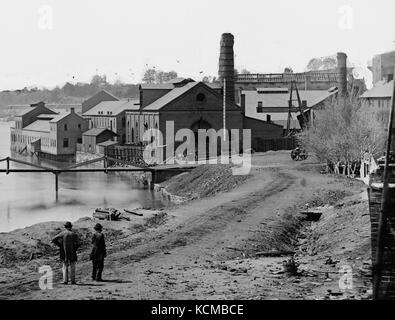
48, 42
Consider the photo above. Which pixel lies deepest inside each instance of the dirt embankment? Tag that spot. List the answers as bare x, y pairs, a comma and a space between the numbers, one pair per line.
204, 181
209, 247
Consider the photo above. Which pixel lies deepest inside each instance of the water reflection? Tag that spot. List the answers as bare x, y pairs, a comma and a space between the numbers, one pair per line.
29, 198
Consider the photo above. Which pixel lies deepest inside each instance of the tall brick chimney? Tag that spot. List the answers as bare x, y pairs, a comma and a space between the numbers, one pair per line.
226, 68
342, 73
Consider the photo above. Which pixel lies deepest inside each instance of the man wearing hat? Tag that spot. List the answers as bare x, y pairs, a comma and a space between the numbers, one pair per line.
98, 253
68, 243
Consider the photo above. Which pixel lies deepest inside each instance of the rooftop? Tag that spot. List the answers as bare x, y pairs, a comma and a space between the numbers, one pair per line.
381, 89
280, 99
275, 104
38, 125
97, 131
112, 108
170, 96
107, 143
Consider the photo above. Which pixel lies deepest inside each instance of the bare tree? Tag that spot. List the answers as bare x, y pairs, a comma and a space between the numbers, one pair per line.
158, 76
342, 132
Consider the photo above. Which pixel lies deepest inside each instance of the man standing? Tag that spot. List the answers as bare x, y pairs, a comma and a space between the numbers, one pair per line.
98, 253
68, 243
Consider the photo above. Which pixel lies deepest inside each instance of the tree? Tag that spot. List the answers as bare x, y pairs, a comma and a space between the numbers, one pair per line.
149, 76
322, 63
99, 80
343, 132
244, 71
288, 70
158, 76
162, 77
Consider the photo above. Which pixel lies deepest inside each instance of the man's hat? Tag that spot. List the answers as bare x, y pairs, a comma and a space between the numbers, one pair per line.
68, 225
98, 227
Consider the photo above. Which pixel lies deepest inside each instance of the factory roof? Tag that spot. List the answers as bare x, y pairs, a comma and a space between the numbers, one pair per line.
112, 108
275, 104
381, 89
280, 99
97, 131
170, 96
38, 125
108, 143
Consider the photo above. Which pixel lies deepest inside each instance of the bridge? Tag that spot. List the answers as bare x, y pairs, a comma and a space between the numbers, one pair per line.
158, 174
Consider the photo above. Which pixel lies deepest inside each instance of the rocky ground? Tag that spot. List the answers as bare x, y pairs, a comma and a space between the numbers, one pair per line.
218, 244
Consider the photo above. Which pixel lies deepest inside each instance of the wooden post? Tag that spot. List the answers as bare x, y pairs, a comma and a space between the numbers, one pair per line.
8, 166
153, 179
105, 164
56, 184
385, 208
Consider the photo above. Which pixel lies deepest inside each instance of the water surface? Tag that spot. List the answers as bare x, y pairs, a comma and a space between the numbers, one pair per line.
29, 198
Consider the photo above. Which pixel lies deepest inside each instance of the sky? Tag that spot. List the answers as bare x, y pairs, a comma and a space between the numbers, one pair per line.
51, 42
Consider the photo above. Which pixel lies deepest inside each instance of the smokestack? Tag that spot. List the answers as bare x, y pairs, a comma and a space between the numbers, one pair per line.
226, 68
342, 73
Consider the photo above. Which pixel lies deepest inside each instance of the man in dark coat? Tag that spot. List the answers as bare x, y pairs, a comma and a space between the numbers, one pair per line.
98, 253
68, 243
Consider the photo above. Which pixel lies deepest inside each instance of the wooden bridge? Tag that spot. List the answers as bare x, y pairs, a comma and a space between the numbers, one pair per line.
158, 174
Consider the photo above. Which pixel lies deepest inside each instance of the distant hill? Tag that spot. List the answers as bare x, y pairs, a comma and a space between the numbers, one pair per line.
68, 94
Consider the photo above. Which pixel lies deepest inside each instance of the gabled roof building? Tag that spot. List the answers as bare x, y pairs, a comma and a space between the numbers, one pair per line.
40, 131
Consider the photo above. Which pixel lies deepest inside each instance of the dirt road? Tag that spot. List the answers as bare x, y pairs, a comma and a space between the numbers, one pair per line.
205, 249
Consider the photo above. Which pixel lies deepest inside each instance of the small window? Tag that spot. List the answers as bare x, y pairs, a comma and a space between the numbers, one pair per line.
65, 127
268, 118
65, 143
79, 126
259, 108
200, 97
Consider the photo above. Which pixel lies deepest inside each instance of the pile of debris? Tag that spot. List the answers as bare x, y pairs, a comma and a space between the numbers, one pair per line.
113, 214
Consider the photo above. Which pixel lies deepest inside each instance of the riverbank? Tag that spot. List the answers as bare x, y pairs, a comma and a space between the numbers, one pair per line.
210, 247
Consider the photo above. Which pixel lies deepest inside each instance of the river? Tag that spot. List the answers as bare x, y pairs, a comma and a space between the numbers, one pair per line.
29, 198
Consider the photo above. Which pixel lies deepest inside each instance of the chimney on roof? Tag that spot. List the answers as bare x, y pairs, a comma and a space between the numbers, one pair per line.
72, 110
226, 68
342, 73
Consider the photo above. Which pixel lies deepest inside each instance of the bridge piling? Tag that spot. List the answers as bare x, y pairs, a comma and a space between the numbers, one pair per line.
105, 164
153, 180
57, 184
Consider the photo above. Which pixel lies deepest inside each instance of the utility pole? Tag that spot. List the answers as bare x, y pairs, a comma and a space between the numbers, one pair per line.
224, 111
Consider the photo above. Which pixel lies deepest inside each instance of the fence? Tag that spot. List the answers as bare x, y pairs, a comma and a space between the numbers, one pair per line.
263, 145
133, 154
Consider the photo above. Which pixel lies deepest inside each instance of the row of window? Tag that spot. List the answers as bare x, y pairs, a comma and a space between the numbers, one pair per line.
65, 127
134, 137
108, 112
